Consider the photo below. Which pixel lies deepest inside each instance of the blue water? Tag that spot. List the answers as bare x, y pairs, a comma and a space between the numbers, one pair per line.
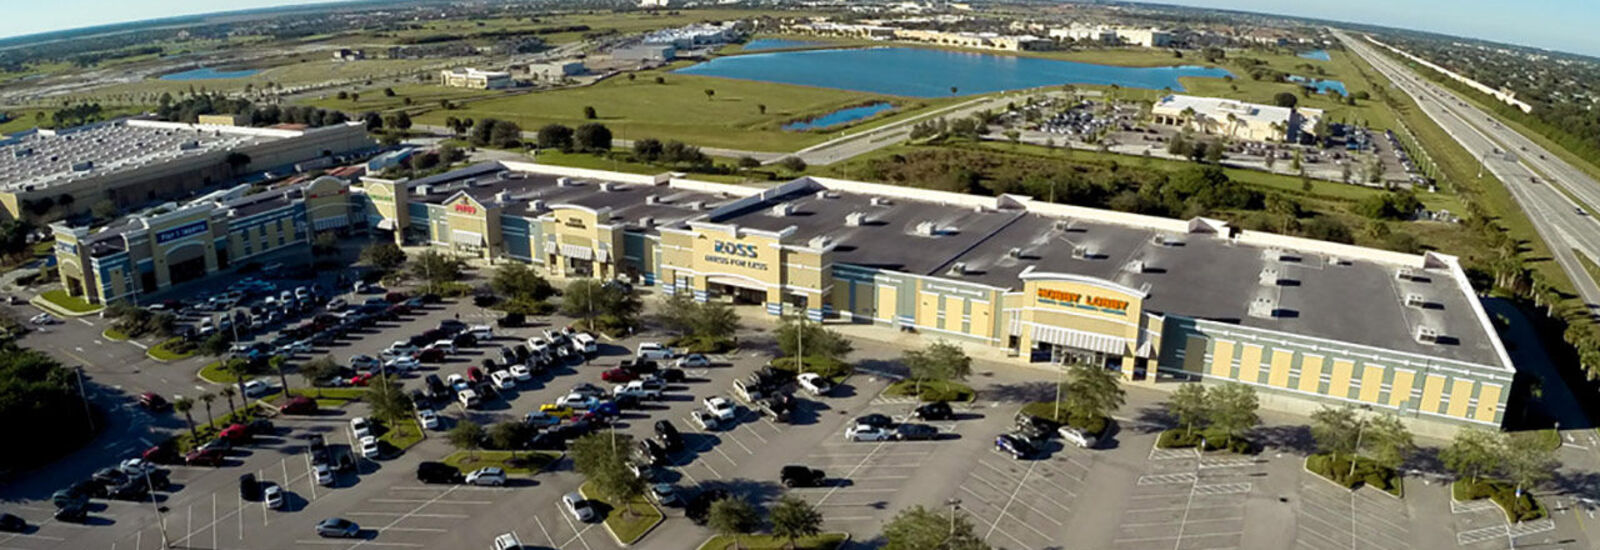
1319, 55
208, 73
922, 72
838, 117
1322, 86
779, 44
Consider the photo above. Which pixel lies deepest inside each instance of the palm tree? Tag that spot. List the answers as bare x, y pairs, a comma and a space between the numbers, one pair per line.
185, 405
229, 392
208, 398
277, 363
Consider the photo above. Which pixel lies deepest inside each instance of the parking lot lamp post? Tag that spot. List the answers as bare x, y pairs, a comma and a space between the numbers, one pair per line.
88, 413
161, 519
1061, 372
1355, 453
955, 504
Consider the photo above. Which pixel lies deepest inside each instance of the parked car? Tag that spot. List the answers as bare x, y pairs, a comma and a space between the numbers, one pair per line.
556, 410
299, 405
796, 475
651, 452
693, 361
249, 487
579, 508
504, 380
338, 528
428, 418
578, 401
520, 373
272, 495
438, 472
933, 411
204, 457
490, 476
720, 407
153, 402
875, 420
864, 432
814, 383
913, 432
639, 389
12, 523
665, 494
654, 351
618, 375
369, 447
1077, 437
360, 427
1015, 445
668, 435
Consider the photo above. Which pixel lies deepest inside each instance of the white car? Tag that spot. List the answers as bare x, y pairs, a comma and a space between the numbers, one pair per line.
814, 383
457, 382
507, 541
337, 304
364, 362
863, 432
637, 388
43, 319
400, 349
448, 346
273, 496
491, 476
577, 506
369, 446
254, 388
482, 332
578, 401
703, 420
655, 352
429, 419
360, 428
403, 364
136, 466
719, 407
521, 373
303, 346
324, 475
503, 380
468, 398
693, 360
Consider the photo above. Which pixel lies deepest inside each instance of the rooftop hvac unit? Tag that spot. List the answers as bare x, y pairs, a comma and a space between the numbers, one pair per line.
422, 190
1080, 252
826, 194
819, 241
537, 204
697, 205
1405, 274
1061, 225
647, 221
855, 219
1427, 335
564, 181
926, 229
1015, 252
608, 187
1268, 277
957, 269
652, 199
782, 210
978, 209
879, 201
84, 166
1335, 260
1263, 308
1135, 266
1161, 240
23, 152
502, 197
1415, 300
188, 145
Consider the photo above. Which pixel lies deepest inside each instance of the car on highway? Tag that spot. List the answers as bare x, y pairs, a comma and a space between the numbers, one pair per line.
338, 528
579, 508
814, 383
798, 475
864, 432
719, 407
489, 477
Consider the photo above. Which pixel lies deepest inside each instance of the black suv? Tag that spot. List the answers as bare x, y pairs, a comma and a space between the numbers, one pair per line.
651, 452
933, 411
795, 475
1035, 428
438, 472
668, 435
249, 488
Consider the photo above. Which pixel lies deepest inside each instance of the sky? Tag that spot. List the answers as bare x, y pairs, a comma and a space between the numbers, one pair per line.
1566, 25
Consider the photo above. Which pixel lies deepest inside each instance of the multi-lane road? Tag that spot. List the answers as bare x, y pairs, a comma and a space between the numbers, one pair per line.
1529, 171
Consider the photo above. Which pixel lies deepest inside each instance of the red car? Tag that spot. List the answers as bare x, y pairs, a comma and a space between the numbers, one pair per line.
212, 457
236, 433
160, 454
430, 355
299, 405
474, 375
153, 402
362, 379
617, 375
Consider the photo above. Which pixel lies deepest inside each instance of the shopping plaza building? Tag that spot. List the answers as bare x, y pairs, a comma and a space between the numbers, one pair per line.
1305, 322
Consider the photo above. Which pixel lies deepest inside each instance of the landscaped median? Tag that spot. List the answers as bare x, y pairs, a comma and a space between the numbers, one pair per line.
114, 335
627, 523
933, 390
1336, 468
1215, 440
331, 397
518, 462
1517, 509
173, 349
1094, 427
58, 301
825, 541
401, 435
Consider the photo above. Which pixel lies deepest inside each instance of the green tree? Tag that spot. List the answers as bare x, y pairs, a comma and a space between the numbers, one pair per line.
677, 313
518, 281
214, 345
595, 454
207, 399
940, 360
466, 436
103, 209
1473, 453
1336, 430
239, 370
508, 435
388, 401
278, 363
1092, 394
1387, 441
792, 518
1285, 99
918, 528
316, 370
817, 341
383, 256
709, 93
592, 138
435, 269
732, 517
715, 322
186, 406
748, 162
1190, 405
793, 163
228, 393
588, 112
1232, 408
1526, 462
598, 304
555, 136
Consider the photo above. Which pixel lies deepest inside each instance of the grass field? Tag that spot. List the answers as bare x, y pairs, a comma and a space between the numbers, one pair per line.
68, 302
678, 109
527, 462
286, 71
162, 353
421, 95
24, 119
628, 524
402, 435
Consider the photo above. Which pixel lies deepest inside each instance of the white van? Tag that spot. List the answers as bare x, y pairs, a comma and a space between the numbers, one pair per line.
655, 352
584, 343
482, 333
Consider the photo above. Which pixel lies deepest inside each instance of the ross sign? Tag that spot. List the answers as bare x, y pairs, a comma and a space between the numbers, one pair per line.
180, 232
1074, 299
574, 222
466, 208
735, 249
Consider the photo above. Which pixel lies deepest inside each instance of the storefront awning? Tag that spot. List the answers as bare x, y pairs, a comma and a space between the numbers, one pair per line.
735, 282
577, 252
1080, 340
602, 256
330, 223
466, 238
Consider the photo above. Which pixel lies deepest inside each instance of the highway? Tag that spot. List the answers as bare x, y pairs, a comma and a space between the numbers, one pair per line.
1528, 171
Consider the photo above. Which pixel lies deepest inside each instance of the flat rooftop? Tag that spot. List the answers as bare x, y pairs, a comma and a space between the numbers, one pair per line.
41, 159
533, 194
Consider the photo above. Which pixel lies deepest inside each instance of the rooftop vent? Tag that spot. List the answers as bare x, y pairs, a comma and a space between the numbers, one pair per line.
647, 222
826, 194
1015, 252
978, 209
502, 197
1427, 335
1268, 277
1335, 260
1061, 225
1165, 240
652, 199
1263, 308
927, 229
957, 269
697, 205
880, 201
608, 187
1415, 300
1405, 274
855, 219
564, 182
782, 210
473, 182
23, 152
819, 241
187, 145
1081, 252
1135, 266
537, 204
84, 166
422, 190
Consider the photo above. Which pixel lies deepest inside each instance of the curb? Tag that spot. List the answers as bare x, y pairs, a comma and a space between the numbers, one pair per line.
1401, 483
614, 537
53, 309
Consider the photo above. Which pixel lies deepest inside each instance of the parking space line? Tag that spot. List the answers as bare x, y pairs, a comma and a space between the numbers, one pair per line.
1013, 498
434, 500
545, 531
361, 543
852, 472
389, 514
576, 534
397, 520
416, 529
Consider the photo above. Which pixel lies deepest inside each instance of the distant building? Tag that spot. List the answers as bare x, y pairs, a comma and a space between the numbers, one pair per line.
653, 3
827, 28
645, 53
694, 35
553, 71
474, 78
1150, 37
347, 54
981, 40
224, 120
1237, 119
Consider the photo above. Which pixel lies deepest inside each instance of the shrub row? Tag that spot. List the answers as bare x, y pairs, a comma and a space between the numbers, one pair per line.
1337, 470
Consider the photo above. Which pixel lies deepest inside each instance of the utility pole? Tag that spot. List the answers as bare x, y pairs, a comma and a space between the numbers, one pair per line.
161, 518
955, 504
88, 413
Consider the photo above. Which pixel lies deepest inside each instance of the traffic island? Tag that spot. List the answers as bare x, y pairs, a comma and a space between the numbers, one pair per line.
626, 524
114, 335
66, 305
1517, 509
518, 462
825, 541
174, 349
933, 390
1337, 470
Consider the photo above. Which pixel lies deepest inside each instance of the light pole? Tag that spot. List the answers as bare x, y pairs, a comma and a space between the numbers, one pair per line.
88, 413
160, 518
954, 504
1061, 373
1355, 453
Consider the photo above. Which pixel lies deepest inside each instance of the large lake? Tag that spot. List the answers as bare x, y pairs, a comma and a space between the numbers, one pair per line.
923, 72
208, 73
780, 44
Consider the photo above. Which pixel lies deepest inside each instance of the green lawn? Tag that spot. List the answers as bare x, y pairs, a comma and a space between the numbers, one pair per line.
613, 163
631, 523
1588, 265
1366, 472
25, 119
114, 334
67, 302
1526, 508
526, 462
421, 95
825, 541
162, 352
402, 435
331, 397
933, 390
214, 373
678, 109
